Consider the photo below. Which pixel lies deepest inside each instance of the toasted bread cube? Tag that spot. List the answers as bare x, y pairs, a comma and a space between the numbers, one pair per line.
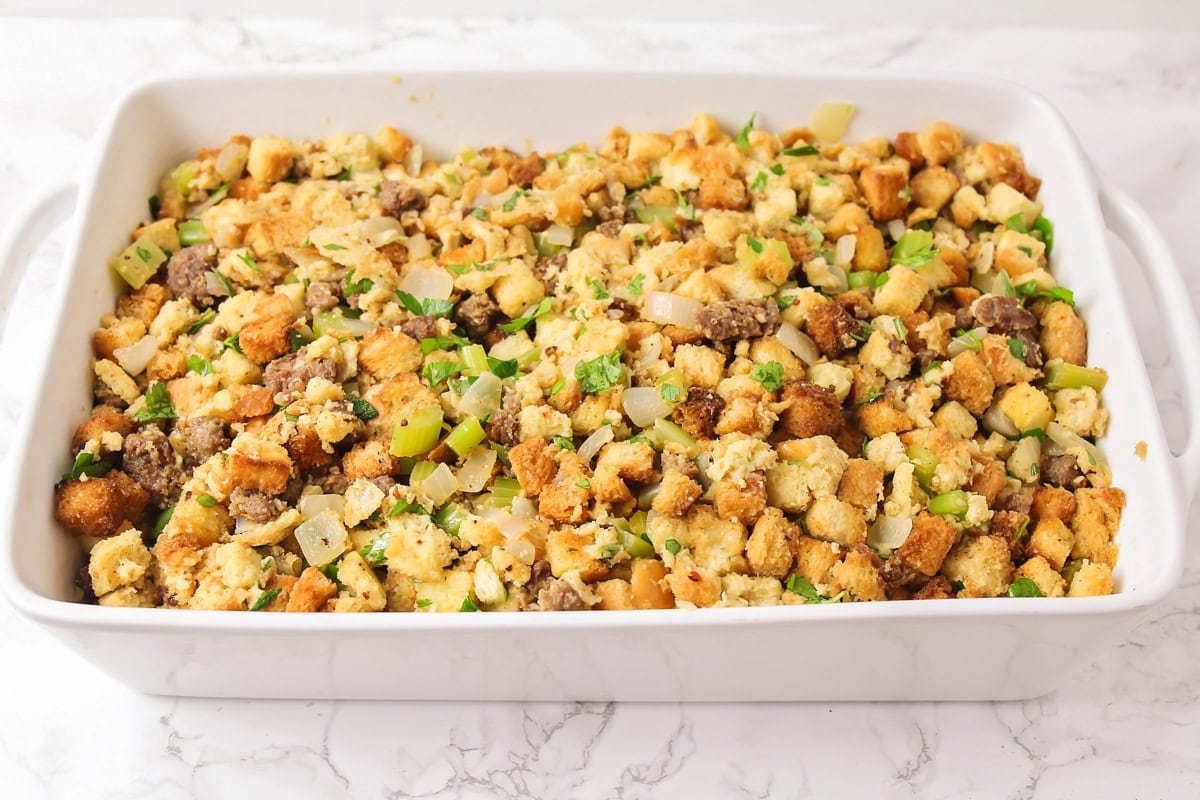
699, 586
928, 543
270, 158
933, 187
769, 548
858, 576
1052, 501
383, 354
533, 465
104, 421
703, 366
563, 501
884, 188
1027, 406
99, 507
261, 465
833, 520
118, 561
676, 493
615, 595
970, 382
146, 302
392, 145
115, 334
940, 143
744, 503
862, 483
879, 418
362, 590
1096, 520
1091, 580
814, 559
1040, 571
1064, 334
565, 552
418, 548
266, 338
903, 292
311, 592
982, 564
618, 462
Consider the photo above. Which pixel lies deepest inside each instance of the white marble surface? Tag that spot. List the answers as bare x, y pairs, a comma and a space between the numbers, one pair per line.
1126, 725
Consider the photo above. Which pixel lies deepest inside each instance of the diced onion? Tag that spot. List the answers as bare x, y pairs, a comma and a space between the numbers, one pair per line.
830, 120
313, 504
896, 229
825, 276
671, 309
888, 533
196, 210
428, 282
134, 358
243, 524
483, 200
523, 507
703, 462
378, 231
645, 498
1069, 441
955, 347
522, 550
592, 444
322, 538
215, 286
1025, 457
997, 421
482, 398
510, 526
439, 484
231, 161
559, 235
413, 159
643, 405
800, 344
846, 245
419, 247
476, 471
983, 261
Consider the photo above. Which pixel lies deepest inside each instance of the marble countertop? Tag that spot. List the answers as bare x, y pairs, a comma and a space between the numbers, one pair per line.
1126, 725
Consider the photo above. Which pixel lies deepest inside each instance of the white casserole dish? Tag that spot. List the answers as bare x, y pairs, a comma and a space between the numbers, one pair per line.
990, 649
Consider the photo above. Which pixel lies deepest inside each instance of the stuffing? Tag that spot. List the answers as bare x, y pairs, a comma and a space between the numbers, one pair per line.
928, 543
1095, 523
1042, 573
1064, 334
861, 484
858, 576
769, 548
1091, 580
676, 493
1079, 411
982, 564
902, 294
1027, 406
834, 520
813, 468
118, 561
100, 506
970, 382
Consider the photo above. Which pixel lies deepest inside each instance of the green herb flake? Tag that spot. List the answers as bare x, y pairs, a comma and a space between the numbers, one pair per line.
798, 584
468, 604
265, 599
436, 372
529, 315
206, 500
160, 523
332, 246
563, 442
202, 320
754, 244
598, 290
806, 150
424, 602
823, 181
199, 364
511, 203
636, 285
1023, 587
503, 368
968, 339
225, 284
155, 205
362, 408
87, 464
359, 286
558, 386
1017, 348
670, 392
233, 342
344, 175
1021, 530
743, 136
1016, 223
426, 307
249, 261
599, 374
430, 344
1028, 251
583, 483
609, 551
479, 213
403, 506
777, 169
672, 546
770, 375
759, 183
158, 404
915, 249
785, 302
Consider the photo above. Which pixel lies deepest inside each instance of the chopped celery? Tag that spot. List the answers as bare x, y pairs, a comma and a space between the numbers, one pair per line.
759, 249
953, 502
465, 436
137, 263
182, 177
636, 546
192, 232
666, 431
861, 280
506, 488
449, 518
637, 523
1073, 376
647, 214
475, 357
546, 249
420, 434
925, 461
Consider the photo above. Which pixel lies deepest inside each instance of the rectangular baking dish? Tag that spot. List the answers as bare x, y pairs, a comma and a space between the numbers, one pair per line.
965, 649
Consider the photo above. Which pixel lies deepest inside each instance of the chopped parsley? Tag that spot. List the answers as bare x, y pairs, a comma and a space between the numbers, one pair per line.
672, 546
670, 392
754, 244
635, 285
403, 506
502, 368
609, 551
199, 364
249, 261
425, 307
158, 404
823, 181
759, 183
359, 286
428, 345
798, 584
511, 203
599, 374
743, 136
1030, 289
598, 290
206, 500
155, 205
777, 169
332, 246
344, 175
468, 604
583, 483
1021, 530
806, 150
770, 375
436, 372
1023, 587
362, 409
558, 386
479, 213
563, 442
424, 602
233, 342
87, 464
202, 320
650, 181
528, 316
915, 249
265, 599
1017, 348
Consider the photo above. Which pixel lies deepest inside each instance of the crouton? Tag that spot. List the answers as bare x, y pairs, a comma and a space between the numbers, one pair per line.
144, 303
970, 382
650, 589
742, 503
1042, 573
832, 329
857, 575
118, 561
928, 543
700, 587
361, 590
1097, 517
884, 188
1091, 580
251, 402
566, 551
304, 448
618, 462
702, 366
676, 493
940, 143
1005, 367
989, 481
115, 334
1052, 501
533, 465
384, 353
104, 420
1027, 406
938, 587
615, 595
418, 548
116, 380
311, 592
369, 459
563, 501
270, 159
812, 411
903, 292
258, 464
1064, 334
769, 548
814, 559
861, 484
834, 520
933, 187
99, 507
1004, 163
880, 417
982, 564
266, 338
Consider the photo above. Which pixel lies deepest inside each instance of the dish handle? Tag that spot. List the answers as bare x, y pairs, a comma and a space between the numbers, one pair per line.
1129, 221
29, 226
